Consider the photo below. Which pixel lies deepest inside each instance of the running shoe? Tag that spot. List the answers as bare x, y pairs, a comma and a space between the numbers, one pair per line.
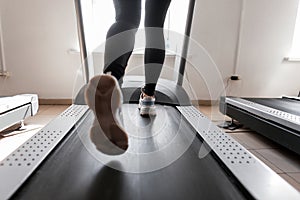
147, 105
104, 97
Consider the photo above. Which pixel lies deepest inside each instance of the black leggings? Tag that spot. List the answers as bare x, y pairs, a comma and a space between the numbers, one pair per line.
128, 15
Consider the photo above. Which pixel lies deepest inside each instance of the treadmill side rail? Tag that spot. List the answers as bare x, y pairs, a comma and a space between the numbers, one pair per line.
260, 181
18, 166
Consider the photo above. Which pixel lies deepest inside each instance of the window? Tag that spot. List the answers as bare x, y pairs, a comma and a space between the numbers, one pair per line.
99, 15
295, 51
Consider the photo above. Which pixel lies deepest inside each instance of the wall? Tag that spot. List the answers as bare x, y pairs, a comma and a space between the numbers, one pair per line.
212, 53
38, 34
267, 39
267, 32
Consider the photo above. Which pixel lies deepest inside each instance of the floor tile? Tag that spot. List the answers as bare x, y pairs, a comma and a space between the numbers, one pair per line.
285, 160
295, 176
212, 113
252, 140
53, 110
39, 119
43, 108
268, 163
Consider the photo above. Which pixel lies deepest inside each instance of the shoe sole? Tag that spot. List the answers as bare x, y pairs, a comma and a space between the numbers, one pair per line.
103, 96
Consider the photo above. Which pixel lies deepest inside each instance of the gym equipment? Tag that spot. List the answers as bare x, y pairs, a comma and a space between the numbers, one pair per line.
59, 162
179, 154
15, 109
275, 118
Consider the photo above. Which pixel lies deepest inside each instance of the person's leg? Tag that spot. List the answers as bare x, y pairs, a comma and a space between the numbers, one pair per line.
121, 36
103, 94
155, 15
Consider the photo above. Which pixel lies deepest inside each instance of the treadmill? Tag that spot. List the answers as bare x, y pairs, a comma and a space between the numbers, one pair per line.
15, 109
179, 154
275, 118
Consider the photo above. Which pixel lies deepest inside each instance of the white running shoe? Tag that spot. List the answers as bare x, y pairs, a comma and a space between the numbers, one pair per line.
147, 105
103, 96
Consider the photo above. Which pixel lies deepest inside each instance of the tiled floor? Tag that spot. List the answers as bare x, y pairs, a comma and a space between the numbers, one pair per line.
282, 161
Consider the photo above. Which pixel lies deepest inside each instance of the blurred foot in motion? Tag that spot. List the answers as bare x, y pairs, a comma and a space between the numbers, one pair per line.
103, 96
147, 104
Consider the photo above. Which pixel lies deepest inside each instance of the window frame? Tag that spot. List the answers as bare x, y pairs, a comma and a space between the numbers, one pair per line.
92, 33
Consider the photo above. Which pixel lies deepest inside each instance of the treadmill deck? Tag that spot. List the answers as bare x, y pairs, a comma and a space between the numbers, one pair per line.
165, 160
77, 171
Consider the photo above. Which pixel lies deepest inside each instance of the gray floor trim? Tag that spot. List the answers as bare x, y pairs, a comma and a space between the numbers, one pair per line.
256, 177
18, 166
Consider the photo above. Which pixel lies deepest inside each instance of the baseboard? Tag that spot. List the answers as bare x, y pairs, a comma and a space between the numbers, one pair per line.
55, 101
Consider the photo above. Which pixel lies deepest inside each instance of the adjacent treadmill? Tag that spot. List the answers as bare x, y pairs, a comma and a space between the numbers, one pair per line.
276, 118
179, 154
14, 109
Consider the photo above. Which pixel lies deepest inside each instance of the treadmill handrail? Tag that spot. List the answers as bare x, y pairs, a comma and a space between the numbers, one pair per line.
82, 41
184, 52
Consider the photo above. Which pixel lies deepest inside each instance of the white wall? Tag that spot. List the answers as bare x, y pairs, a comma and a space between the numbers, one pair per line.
38, 34
265, 40
215, 29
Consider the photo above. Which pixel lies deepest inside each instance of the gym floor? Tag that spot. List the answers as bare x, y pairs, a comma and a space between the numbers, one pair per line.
282, 161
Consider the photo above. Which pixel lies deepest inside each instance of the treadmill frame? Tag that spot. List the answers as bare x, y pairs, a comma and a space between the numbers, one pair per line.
21, 163
280, 127
258, 179
266, 184
17, 109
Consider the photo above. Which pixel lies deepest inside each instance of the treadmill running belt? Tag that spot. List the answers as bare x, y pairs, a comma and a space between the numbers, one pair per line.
286, 105
73, 172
